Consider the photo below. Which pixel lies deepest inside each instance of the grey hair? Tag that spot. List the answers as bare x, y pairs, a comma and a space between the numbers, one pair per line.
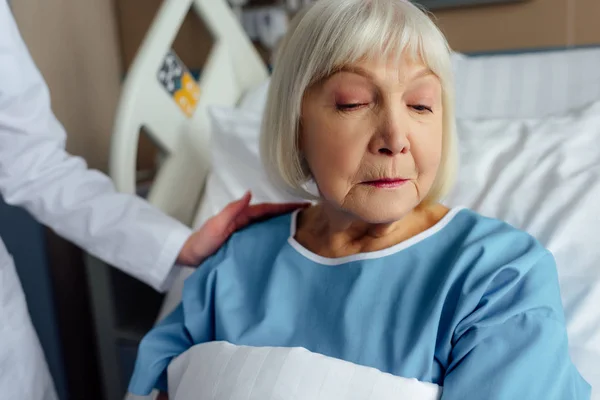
328, 35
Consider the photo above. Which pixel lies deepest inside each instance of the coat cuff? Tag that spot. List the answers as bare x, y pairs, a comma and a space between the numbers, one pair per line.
165, 270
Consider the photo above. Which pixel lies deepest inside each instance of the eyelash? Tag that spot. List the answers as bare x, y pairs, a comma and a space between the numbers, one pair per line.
349, 106
354, 106
422, 108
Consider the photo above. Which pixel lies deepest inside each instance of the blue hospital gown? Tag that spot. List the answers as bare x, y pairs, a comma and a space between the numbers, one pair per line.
471, 304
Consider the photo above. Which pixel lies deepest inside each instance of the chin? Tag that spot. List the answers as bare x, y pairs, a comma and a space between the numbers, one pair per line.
383, 208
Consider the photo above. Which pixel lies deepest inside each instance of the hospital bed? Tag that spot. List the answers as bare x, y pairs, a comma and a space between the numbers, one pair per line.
528, 124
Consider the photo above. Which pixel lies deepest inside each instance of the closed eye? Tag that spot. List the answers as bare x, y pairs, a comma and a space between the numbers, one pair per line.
350, 106
421, 108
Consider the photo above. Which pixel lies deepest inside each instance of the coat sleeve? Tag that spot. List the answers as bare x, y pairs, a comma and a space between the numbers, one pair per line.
59, 190
514, 345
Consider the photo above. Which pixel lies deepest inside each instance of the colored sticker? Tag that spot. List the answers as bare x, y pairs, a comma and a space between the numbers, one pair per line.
179, 83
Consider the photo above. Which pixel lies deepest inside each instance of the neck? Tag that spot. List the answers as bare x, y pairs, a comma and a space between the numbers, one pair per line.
332, 232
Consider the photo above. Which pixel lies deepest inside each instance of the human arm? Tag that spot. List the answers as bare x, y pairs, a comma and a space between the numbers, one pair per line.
514, 344
165, 341
58, 189
80, 204
189, 324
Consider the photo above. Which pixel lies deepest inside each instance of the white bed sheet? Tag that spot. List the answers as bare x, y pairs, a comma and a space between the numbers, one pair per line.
543, 176
528, 85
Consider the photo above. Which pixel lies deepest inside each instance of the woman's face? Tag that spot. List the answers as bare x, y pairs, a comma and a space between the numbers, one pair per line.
372, 137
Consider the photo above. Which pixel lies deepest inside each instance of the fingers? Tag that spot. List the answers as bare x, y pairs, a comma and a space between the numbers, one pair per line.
240, 213
266, 210
233, 209
260, 212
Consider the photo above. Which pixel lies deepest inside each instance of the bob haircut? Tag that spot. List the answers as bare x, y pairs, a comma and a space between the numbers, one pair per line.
331, 34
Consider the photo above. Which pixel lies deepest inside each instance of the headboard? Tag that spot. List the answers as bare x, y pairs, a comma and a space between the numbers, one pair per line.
232, 67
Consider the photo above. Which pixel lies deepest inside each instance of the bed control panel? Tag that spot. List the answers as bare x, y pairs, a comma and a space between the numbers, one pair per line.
179, 82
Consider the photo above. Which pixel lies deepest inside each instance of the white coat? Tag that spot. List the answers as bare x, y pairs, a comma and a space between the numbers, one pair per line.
60, 192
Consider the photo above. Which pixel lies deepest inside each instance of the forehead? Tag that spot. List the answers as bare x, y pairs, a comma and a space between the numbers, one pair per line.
402, 71
402, 68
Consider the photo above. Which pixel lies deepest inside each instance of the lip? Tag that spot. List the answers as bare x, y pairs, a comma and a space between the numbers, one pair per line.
386, 183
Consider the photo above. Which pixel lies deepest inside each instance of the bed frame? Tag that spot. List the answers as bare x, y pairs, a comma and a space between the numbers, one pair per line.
122, 307
233, 66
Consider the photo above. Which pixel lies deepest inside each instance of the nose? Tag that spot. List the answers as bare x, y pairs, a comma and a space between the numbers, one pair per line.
392, 136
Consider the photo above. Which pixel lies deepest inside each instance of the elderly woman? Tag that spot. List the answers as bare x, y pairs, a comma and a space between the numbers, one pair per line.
377, 272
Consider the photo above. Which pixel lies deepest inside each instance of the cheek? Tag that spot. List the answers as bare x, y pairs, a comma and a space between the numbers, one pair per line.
333, 153
426, 148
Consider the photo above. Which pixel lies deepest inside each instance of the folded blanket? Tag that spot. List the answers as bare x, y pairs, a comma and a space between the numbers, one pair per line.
222, 371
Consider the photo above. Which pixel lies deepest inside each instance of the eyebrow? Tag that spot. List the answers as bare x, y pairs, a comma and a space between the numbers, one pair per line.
423, 72
357, 70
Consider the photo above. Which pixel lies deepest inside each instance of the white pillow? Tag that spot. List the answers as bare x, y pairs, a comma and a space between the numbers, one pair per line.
223, 371
543, 176
236, 165
255, 99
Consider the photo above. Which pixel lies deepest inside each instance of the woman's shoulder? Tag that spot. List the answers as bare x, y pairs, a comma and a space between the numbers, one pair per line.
257, 239
503, 271
483, 248
269, 232
489, 248
476, 230
246, 250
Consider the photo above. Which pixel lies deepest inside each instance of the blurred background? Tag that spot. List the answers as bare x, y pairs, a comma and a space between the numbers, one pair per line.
90, 318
